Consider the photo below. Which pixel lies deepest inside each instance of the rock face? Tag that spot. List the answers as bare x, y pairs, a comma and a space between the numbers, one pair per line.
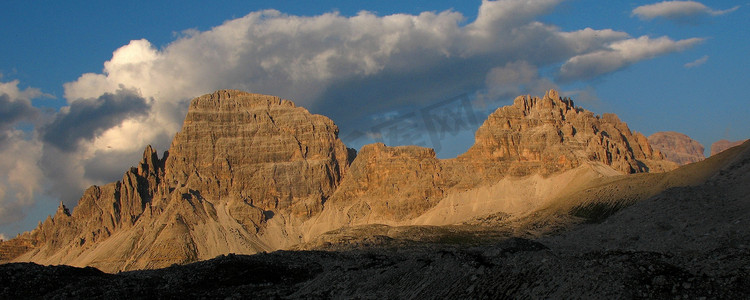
241, 161
550, 134
677, 147
250, 173
101, 212
14, 248
257, 153
534, 136
722, 145
391, 184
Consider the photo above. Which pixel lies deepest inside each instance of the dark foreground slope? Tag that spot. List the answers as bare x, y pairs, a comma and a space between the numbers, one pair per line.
687, 242
513, 268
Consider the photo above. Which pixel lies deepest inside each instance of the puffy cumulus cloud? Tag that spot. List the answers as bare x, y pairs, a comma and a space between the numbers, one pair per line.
516, 78
337, 65
21, 178
20, 151
13, 92
85, 119
130, 65
679, 11
15, 107
13, 110
620, 54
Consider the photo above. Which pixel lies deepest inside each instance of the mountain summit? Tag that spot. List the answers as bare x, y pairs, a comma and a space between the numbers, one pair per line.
250, 173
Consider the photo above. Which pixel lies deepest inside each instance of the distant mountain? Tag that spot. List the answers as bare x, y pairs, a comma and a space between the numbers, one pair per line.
722, 145
250, 173
677, 147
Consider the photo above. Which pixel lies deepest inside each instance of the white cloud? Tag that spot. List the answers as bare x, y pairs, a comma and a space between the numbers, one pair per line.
86, 119
15, 106
697, 62
21, 178
516, 78
680, 11
11, 89
588, 39
619, 55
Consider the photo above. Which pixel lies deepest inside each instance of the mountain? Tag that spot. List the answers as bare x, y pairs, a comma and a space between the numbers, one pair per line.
251, 173
243, 169
688, 242
721, 145
550, 134
677, 147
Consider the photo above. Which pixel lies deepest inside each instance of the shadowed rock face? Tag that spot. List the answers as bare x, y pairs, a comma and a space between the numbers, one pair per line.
677, 147
721, 145
250, 173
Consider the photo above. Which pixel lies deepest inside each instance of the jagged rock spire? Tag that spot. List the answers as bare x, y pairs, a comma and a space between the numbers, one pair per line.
62, 210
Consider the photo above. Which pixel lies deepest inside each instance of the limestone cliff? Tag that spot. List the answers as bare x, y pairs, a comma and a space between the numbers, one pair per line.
258, 154
391, 183
251, 173
677, 147
550, 134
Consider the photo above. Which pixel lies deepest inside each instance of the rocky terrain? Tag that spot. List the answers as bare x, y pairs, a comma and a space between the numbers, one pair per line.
721, 145
677, 147
549, 200
691, 242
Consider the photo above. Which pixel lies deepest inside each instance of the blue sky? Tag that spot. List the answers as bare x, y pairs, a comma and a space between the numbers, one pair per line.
86, 85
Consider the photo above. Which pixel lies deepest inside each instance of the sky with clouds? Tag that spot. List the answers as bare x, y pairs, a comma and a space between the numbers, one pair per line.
84, 87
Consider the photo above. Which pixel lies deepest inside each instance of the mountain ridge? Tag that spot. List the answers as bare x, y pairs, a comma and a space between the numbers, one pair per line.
250, 173
685, 242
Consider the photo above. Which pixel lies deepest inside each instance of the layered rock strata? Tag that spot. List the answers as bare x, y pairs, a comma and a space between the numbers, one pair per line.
550, 134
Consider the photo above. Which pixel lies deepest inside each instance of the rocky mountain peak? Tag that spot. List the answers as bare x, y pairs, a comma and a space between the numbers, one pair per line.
677, 147
240, 146
150, 163
530, 105
62, 210
551, 134
250, 172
